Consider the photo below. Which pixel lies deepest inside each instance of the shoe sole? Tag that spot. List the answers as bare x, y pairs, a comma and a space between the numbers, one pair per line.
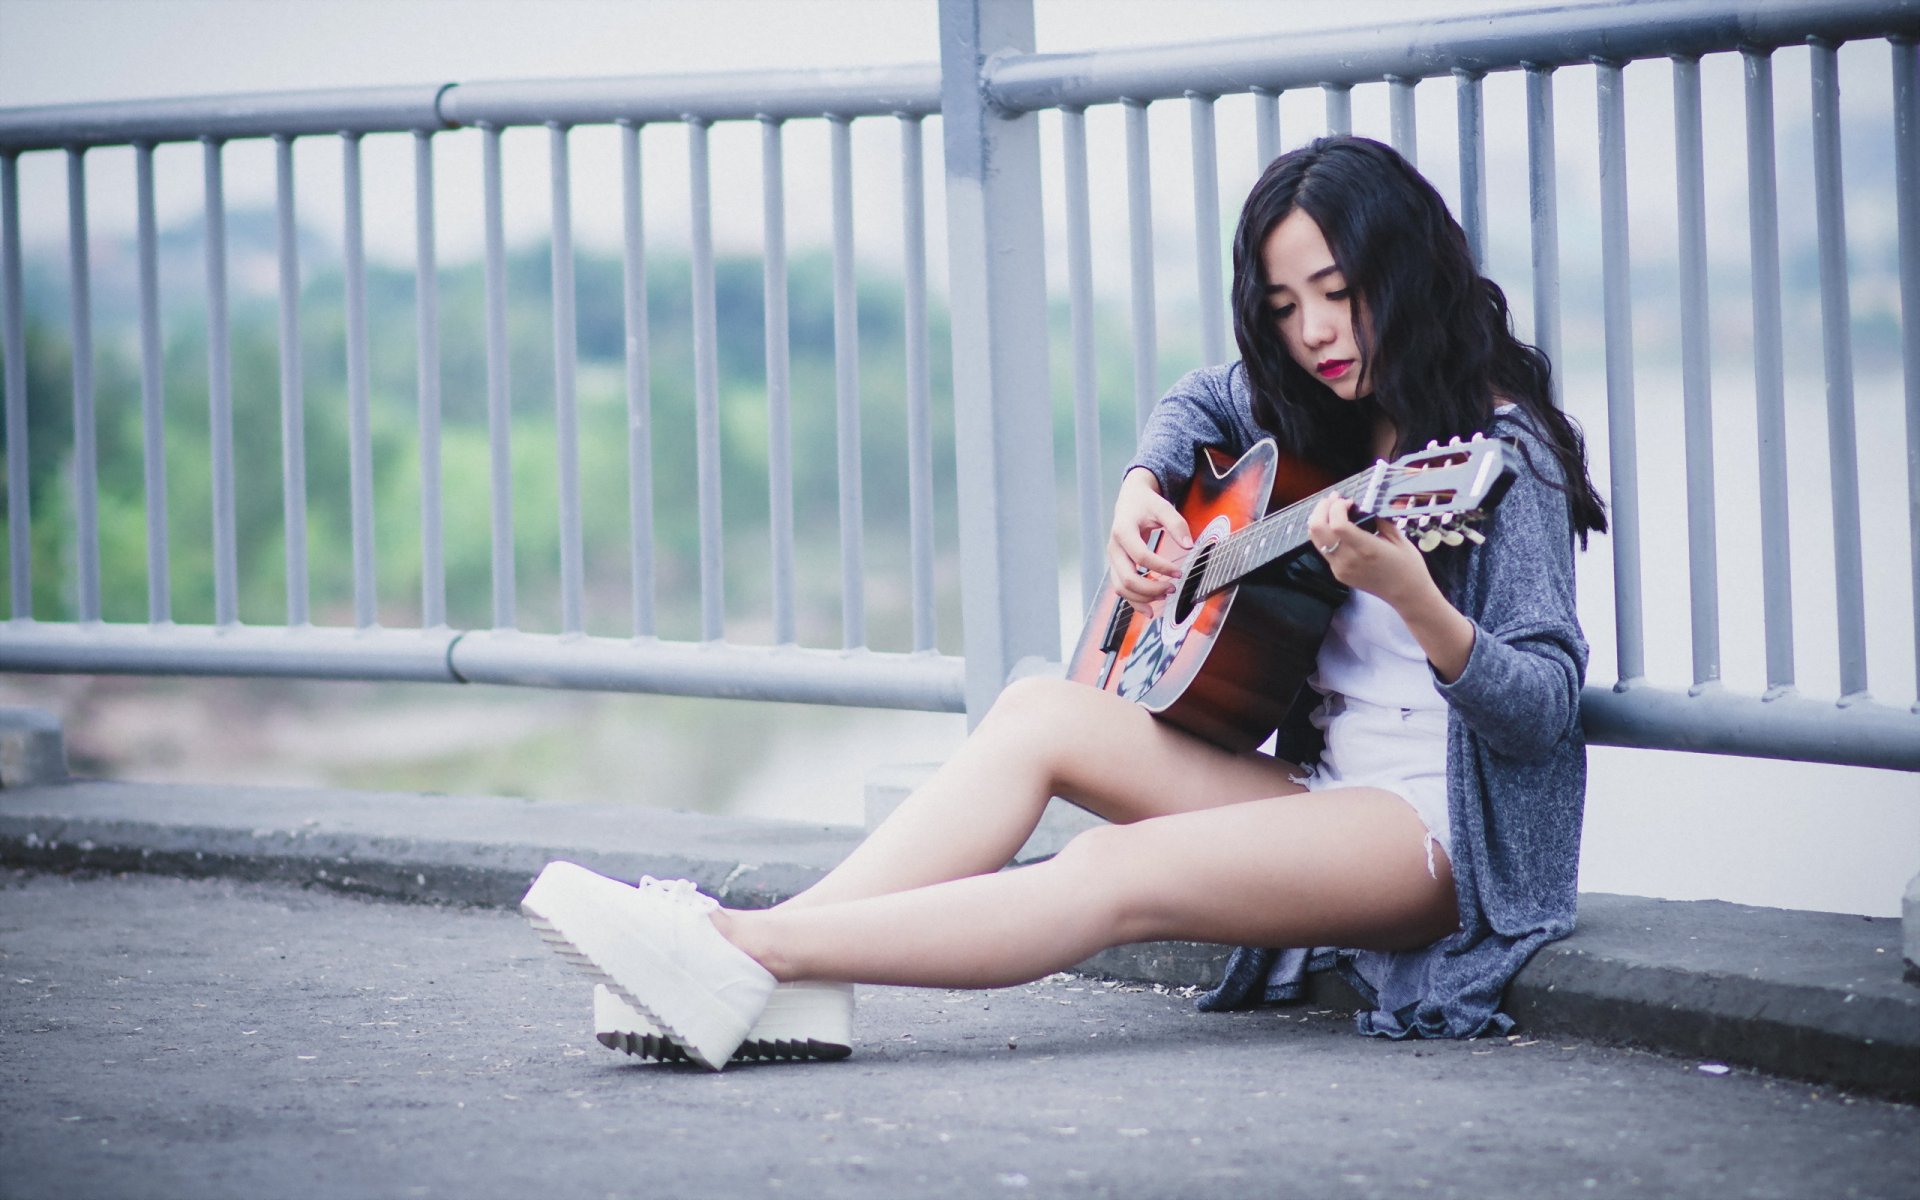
587, 924
802, 1023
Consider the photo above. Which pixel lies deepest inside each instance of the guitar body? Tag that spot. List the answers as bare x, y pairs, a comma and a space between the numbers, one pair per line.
1227, 666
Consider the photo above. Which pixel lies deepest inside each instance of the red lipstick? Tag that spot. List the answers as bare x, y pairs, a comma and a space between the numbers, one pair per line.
1333, 368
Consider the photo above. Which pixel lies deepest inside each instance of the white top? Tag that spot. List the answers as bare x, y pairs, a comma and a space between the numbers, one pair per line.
1370, 655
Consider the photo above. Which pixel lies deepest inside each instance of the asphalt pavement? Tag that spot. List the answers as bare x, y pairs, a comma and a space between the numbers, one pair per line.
204, 1038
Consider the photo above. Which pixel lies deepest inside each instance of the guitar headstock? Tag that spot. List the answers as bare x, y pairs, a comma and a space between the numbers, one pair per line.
1437, 495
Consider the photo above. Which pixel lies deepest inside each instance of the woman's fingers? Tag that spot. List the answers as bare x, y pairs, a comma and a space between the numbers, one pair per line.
1143, 571
1136, 589
1330, 528
1167, 517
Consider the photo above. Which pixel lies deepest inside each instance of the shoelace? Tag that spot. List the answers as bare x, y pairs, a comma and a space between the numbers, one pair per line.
676, 891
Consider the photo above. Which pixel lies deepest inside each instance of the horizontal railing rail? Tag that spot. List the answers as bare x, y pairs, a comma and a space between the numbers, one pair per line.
714, 96
1463, 44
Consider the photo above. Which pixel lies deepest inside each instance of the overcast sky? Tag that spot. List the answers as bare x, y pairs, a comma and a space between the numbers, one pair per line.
70, 51
55, 51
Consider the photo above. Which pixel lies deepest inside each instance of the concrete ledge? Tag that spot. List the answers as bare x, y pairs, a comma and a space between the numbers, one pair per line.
1814, 995
1817, 996
402, 846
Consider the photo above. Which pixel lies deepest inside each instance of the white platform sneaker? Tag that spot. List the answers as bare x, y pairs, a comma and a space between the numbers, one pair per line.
802, 1022
654, 947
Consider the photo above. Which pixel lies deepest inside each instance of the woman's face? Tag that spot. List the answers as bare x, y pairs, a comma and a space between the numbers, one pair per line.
1312, 312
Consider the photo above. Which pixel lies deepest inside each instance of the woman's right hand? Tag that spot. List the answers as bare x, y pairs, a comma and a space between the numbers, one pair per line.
1141, 575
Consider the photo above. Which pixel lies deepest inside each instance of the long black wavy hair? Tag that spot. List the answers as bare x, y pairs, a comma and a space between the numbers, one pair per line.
1435, 336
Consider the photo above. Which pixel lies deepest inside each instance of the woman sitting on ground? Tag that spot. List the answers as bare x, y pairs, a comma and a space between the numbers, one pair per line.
1429, 819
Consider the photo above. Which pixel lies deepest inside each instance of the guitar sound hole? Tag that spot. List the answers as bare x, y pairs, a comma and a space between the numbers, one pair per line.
1189, 596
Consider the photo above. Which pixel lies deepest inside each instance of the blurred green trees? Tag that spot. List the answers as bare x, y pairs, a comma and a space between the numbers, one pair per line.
466, 491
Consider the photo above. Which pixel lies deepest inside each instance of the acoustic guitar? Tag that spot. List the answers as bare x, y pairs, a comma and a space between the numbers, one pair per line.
1226, 655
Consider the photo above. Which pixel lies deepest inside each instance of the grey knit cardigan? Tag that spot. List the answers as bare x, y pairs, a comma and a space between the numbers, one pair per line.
1516, 760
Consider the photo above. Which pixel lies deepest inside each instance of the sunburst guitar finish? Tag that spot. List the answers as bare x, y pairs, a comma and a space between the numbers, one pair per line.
1225, 656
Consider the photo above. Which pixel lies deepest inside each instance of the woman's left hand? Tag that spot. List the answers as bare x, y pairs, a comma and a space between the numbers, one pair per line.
1379, 560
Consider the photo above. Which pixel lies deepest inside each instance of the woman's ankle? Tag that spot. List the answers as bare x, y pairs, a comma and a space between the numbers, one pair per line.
742, 928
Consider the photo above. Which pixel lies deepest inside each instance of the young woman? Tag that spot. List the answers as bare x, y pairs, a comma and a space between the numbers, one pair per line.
1428, 820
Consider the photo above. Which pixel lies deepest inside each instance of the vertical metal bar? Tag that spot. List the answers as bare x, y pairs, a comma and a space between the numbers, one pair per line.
1003, 429
153, 395
1146, 348
359, 416
19, 524
499, 393
706, 386
1266, 126
1769, 373
426, 276
566, 353
1696, 370
1622, 453
293, 436
773, 218
1544, 218
1086, 408
1402, 130
1339, 101
1906, 157
639, 396
226, 605
846, 387
86, 469
1836, 338
1473, 162
913, 203
1206, 228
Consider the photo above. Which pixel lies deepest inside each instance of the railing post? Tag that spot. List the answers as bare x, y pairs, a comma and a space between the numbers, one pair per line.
1003, 431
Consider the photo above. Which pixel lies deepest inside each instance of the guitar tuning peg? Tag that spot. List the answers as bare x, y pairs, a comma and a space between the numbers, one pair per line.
1454, 441
1452, 537
1429, 540
1474, 535
1433, 444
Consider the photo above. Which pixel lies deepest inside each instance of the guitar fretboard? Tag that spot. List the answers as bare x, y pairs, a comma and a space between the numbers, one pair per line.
1273, 536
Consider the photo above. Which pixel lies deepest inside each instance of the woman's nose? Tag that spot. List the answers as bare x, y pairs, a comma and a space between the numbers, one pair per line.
1318, 327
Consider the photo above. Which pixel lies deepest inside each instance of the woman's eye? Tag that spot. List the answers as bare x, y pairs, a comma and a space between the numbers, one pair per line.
1282, 311
1341, 294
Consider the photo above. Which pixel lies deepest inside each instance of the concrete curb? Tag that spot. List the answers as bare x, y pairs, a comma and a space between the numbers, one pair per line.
1816, 996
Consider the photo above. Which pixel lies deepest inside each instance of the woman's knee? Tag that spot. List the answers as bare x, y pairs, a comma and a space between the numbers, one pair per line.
1106, 876
1033, 698
1037, 711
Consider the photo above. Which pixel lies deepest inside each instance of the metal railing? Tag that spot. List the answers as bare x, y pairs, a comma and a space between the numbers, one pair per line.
1635, 710
991, 92
921, 678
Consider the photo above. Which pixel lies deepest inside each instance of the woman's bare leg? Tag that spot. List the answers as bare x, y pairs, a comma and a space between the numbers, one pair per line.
1043, 738
1346, 867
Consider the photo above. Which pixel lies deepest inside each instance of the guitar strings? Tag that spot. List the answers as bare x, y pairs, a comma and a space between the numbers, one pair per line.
1253, 537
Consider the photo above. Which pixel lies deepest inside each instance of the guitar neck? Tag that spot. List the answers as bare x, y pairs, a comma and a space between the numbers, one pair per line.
1280, 532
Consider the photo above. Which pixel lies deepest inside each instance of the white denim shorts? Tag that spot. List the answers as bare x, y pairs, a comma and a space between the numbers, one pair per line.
1400, 750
